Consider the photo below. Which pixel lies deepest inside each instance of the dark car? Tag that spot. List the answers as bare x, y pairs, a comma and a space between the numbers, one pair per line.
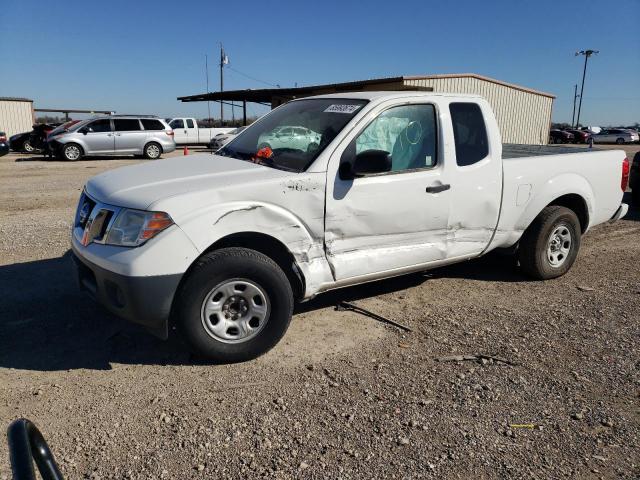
33, 141
579, 136
4, 145
634, 180
560, 136
17, 142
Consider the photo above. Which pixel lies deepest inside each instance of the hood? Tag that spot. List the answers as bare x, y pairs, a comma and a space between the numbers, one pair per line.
139, 186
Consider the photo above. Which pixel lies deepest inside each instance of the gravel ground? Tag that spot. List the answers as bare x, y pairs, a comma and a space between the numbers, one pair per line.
342, 396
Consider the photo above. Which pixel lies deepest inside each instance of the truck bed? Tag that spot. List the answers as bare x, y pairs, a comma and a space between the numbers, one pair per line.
515, 150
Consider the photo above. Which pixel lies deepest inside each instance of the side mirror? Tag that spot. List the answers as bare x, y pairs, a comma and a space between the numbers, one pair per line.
83, 131
369, 162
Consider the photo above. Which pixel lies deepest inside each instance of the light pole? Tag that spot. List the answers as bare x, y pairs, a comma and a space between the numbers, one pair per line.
575, 97
587, 54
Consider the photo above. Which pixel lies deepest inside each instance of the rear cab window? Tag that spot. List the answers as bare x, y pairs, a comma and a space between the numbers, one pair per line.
126, 124
189, 123
469, 132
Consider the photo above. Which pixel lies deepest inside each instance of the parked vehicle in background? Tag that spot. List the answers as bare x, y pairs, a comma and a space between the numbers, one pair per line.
296, 138
398, 182
114, 135
560, 136
29, 142
579, 136
188, 132
38, 136
221, 139
615, 135
634, 180
4, 144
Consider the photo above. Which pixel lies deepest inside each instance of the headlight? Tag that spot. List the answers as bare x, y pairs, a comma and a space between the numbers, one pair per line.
134, 227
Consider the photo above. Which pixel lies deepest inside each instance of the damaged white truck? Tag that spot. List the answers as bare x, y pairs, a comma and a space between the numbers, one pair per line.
219, 247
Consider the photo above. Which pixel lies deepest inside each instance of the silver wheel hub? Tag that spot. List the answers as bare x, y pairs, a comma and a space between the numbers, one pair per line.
153, 151
559, 245
72, 152
235, 311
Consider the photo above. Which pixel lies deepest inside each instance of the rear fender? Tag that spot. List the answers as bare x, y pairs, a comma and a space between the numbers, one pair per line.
554, 188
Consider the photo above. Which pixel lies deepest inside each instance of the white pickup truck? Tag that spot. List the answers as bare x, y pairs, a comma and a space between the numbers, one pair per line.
186, 131
220, 246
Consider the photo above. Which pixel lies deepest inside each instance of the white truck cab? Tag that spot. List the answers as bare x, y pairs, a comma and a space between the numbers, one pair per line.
220, 246
187, 132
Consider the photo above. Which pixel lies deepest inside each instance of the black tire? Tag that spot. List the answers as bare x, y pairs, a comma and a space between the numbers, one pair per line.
620, 141
152, 151
534, 244
72, 152
635, 197
216, 268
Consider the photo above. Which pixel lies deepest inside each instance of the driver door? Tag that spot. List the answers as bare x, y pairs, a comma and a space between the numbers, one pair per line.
99, 138
395, 220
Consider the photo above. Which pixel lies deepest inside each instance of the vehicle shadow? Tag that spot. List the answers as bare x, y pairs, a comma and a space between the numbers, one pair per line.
47, 324
44, 158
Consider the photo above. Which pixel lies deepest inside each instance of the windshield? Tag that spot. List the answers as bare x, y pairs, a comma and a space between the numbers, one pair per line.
292, 136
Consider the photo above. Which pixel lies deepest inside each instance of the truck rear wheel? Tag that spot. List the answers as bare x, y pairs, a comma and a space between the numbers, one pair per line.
235, 305
550, 245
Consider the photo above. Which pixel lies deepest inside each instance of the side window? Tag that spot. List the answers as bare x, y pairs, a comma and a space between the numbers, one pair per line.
99, 126
408, 133
189, 123
126, 124
177, 123
469, 133
149, 124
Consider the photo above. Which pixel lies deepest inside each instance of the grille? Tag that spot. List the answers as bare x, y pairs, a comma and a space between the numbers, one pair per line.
93, 220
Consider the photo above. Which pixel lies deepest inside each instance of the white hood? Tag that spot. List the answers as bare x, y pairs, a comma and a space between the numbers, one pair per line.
138, 186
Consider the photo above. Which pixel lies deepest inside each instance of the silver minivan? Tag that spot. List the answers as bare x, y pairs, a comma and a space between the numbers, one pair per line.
113, 135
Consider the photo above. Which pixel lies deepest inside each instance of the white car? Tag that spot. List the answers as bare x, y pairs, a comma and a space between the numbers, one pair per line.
221, 139
292, 137
220, 246
615, 135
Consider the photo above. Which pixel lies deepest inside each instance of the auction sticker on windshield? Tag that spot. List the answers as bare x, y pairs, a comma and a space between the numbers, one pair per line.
342, 108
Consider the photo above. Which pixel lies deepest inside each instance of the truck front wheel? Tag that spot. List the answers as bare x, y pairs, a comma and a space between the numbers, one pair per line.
550, 245
235, 305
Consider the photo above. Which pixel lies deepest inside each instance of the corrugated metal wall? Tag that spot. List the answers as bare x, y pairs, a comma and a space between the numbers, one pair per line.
523, 117
15, 116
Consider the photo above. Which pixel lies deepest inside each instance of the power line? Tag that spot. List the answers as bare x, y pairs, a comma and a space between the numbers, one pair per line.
252, 78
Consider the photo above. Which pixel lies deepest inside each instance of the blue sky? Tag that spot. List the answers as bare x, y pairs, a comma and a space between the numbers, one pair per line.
138, 56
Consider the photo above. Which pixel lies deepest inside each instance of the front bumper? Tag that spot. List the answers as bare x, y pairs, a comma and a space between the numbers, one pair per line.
142, 300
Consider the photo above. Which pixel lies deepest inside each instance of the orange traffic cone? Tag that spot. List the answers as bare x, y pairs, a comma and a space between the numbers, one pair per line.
186, 150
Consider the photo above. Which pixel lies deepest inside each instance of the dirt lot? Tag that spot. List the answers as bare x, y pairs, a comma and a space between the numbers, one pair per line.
342, 396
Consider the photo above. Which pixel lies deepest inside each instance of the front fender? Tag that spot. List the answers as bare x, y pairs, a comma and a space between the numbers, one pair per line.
222, 220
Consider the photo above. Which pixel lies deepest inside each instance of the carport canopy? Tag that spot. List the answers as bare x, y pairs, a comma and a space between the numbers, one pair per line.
278, 96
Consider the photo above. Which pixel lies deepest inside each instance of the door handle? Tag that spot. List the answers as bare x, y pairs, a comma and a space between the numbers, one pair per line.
438, 188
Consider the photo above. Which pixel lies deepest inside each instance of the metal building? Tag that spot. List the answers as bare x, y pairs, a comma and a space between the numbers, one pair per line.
524, 114
16, 115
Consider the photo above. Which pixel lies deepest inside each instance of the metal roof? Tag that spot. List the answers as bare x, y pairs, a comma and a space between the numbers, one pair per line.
265, 95
15, 99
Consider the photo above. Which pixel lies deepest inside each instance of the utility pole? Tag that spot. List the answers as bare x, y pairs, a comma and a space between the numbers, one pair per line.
587, 54
224, 60
575, 97
206, 69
